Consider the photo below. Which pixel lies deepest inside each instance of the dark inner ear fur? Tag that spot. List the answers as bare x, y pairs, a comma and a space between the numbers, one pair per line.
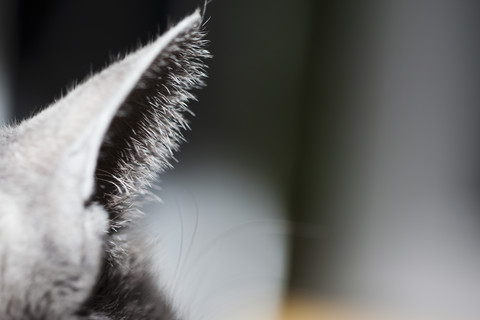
147, 128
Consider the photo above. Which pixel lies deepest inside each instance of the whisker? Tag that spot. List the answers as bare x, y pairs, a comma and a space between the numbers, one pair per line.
180, 254
194, 233
282, 228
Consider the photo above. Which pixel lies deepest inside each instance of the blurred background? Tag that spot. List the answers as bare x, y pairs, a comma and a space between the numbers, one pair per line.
333, 157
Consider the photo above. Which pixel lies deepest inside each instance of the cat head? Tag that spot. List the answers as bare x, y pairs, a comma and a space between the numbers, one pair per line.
69, 175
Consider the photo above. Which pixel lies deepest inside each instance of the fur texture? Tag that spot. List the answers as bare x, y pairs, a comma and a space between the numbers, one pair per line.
71, 175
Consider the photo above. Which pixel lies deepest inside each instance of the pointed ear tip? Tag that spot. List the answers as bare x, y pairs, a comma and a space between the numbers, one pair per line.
192, 21
197, 16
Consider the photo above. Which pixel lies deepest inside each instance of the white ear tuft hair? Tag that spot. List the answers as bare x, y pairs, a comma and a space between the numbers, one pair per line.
147, 128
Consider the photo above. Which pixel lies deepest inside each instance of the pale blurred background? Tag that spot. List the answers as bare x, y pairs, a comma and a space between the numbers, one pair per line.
333, 159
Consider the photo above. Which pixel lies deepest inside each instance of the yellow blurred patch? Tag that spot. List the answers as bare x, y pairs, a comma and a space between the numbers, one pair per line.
309, 309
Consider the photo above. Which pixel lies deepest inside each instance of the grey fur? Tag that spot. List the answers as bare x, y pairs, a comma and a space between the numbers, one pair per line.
70, 177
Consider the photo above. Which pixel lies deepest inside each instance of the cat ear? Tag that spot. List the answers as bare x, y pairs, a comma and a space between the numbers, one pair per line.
113, 133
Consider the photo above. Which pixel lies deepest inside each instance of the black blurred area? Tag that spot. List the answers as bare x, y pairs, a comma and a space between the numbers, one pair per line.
62, 40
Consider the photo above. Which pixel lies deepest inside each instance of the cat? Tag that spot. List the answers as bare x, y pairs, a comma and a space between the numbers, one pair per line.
70, 177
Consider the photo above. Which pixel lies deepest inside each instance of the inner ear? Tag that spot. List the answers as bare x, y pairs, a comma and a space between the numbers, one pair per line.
147, 128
